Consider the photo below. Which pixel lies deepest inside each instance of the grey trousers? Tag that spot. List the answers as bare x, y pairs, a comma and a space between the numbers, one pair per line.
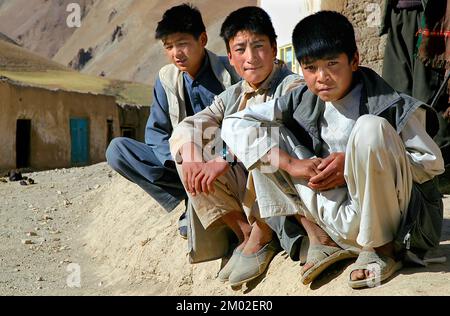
137, 162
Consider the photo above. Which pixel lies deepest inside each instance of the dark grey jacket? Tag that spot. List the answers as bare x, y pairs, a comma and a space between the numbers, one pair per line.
420, 229
378, 98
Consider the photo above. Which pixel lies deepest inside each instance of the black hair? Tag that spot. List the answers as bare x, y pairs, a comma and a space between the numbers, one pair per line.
184, 18
322, 35
253, 19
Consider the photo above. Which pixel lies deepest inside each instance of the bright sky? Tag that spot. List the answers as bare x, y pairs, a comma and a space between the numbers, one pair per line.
286, 14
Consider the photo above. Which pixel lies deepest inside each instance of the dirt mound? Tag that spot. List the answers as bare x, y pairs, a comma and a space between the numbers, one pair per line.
27, 68
138, 245
123, 243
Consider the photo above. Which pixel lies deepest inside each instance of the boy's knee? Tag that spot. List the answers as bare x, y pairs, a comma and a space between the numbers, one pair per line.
369, 122
114, 151
370, 131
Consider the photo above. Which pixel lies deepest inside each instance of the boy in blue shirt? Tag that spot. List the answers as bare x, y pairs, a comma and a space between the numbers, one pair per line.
182, 88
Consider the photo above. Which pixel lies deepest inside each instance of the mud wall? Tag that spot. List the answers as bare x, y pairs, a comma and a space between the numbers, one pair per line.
50, 113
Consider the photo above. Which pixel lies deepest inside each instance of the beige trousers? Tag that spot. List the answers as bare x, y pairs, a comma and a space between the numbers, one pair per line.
230, 191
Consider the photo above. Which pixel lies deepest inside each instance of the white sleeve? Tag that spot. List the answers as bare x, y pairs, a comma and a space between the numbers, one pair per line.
423, 153
194, 128
252, 132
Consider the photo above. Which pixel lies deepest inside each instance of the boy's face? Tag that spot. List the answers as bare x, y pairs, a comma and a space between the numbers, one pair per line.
331, 78
252, 56
185, 51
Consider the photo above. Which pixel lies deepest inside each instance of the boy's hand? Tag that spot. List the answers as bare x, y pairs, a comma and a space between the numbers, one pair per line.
211, 171
296, 168
190, 172
304, 168
191, 166
332, 173
200, 176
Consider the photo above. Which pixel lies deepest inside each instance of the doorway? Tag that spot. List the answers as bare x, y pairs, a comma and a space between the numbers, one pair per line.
109, 131
23, 143
79, 135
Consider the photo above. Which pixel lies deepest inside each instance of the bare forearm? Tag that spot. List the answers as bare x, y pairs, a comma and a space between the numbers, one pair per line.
191, 152
297, 168
279, 159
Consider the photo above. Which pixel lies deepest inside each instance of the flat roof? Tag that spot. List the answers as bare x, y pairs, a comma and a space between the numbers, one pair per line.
28, 69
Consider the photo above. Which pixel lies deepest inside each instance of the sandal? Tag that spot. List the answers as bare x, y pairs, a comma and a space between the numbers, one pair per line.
322, 257
383, 267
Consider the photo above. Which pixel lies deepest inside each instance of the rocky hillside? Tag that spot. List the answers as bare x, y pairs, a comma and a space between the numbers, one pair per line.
120, 34
39, 25
5, 38
116, 37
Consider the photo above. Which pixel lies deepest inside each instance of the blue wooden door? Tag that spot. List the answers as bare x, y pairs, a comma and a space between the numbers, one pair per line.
79, 135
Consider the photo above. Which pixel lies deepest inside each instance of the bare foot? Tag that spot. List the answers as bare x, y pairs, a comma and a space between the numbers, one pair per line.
326, 242
317, 236
260, 236
240, 226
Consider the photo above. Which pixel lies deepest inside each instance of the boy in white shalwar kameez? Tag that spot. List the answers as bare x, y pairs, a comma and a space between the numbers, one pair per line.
349, 154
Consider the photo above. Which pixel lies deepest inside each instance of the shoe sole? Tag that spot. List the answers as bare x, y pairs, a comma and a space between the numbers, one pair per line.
248, 279
312, 273
254, 276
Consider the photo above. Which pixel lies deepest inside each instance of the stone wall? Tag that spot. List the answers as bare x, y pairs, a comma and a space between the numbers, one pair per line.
366, 18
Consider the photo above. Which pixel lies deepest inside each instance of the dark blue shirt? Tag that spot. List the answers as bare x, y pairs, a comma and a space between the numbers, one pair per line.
200, 93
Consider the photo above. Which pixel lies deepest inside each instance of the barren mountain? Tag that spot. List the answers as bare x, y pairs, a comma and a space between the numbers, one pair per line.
116, 37
38, 25
5, 38
121, 36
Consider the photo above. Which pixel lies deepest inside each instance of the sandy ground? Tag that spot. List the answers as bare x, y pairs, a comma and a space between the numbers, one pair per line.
87, 231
